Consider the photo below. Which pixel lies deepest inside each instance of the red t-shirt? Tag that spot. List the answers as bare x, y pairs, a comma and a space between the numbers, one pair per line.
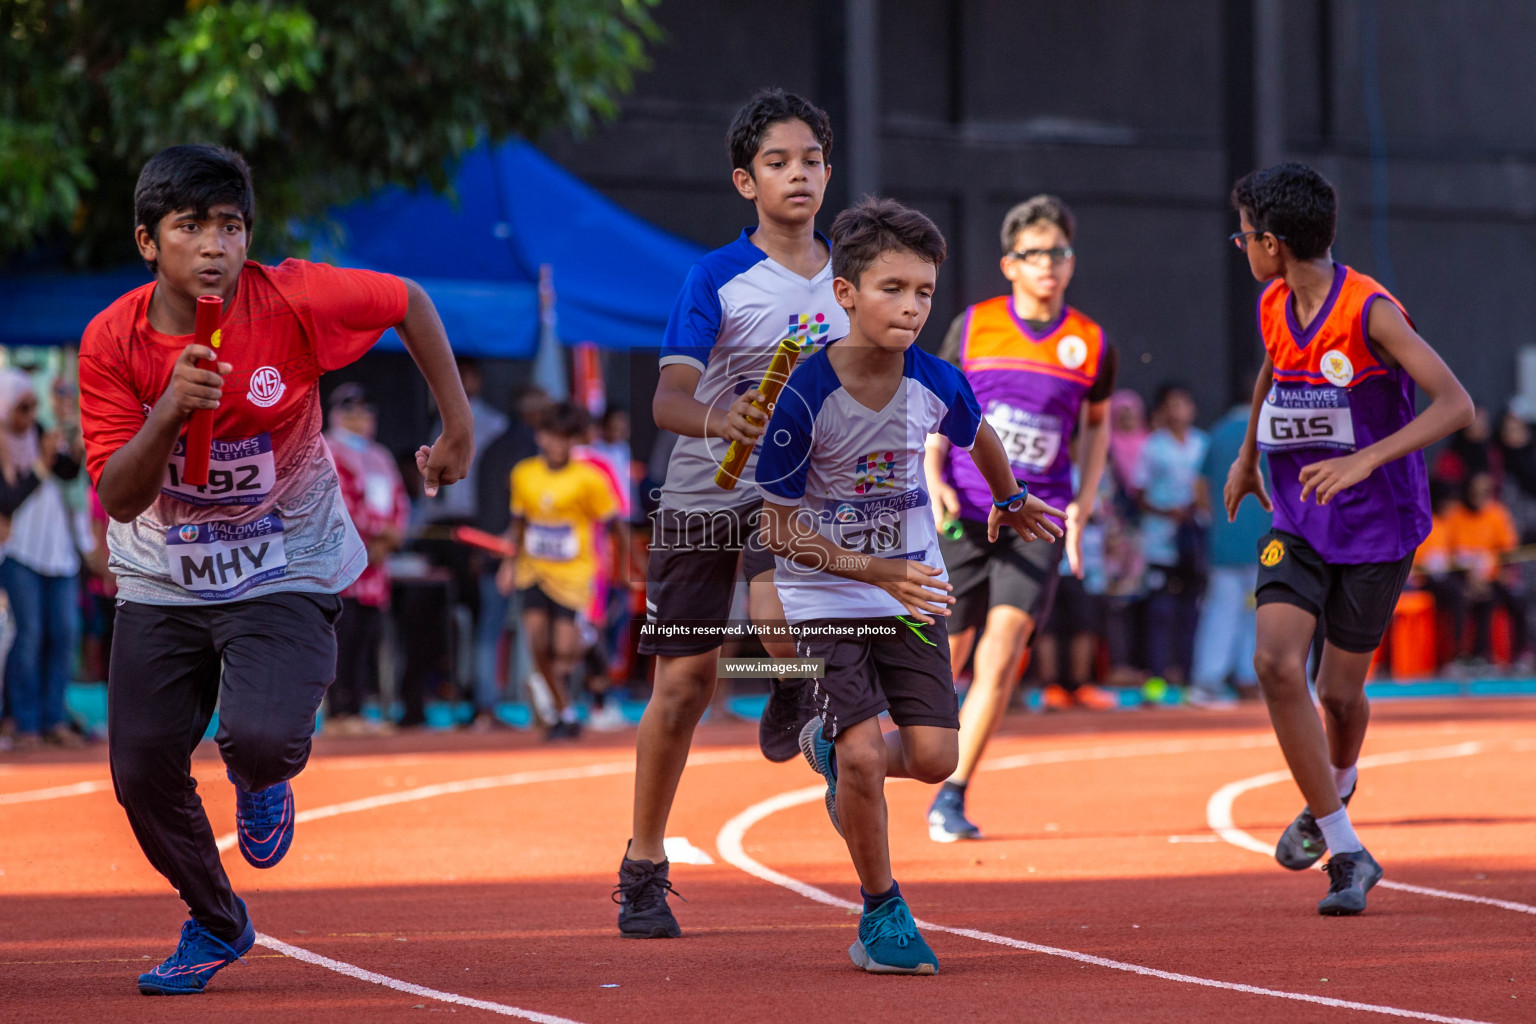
270, 518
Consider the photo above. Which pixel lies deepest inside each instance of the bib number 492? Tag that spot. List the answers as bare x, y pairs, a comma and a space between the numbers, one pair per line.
239, 480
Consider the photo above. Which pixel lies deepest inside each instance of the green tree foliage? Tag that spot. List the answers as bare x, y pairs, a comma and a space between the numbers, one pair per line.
327, 99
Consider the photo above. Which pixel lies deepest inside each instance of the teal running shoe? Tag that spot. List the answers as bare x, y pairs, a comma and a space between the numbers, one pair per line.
818, 754
889, 942
199, 956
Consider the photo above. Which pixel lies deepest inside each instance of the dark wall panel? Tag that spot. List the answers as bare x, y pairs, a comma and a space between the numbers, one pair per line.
1117, 106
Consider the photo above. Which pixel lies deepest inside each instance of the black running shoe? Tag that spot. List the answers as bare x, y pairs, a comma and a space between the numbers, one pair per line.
642, 898
789, 707
1301, 844
1350, 877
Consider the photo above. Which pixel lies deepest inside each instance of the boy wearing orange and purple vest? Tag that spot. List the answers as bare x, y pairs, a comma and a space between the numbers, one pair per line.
1334, 410
1043, 373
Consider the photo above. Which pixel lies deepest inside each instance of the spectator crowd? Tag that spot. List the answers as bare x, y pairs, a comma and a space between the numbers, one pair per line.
1164, 605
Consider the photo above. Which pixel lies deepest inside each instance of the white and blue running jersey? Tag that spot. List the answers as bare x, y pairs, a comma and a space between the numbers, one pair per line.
857, 475
735, 308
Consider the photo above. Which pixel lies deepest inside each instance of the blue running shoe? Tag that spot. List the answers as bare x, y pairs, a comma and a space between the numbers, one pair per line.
265, 823
818, 754
199, 956
889, 942
947, 822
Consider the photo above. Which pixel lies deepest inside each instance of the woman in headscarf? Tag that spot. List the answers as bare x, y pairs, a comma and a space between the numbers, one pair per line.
1128, 432
41, 568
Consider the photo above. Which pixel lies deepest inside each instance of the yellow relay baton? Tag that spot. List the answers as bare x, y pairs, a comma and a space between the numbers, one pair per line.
773, 383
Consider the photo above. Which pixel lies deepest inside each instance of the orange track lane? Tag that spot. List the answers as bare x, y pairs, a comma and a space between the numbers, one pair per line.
1098, 844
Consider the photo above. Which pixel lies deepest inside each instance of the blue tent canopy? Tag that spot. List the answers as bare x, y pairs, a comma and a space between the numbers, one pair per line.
476, 253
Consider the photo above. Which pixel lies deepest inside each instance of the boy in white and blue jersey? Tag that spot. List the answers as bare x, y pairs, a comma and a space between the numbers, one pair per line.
739, 302
846, 512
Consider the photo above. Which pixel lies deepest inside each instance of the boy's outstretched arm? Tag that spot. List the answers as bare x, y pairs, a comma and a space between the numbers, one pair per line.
1449, 409
788, 533
1094, 444
447, 460
992, 459
674, 408
1245, 477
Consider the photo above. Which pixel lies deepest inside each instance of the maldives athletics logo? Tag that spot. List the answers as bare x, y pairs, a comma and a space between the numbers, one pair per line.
267, 387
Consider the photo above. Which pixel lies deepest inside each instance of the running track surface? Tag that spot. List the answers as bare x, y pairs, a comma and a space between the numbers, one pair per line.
1104, 892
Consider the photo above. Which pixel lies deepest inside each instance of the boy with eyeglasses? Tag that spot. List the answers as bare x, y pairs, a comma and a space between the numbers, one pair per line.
1043, 373
1334, 409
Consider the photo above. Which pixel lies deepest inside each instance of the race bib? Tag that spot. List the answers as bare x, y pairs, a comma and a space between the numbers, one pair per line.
1293, 419
219, 561
551, 543
1032, 440
872, 526
240, 472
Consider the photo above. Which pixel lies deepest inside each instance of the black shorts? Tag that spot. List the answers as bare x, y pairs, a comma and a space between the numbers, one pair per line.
1354, 602
1075, 610
696, 559
1009, 570
535, 600
907, 673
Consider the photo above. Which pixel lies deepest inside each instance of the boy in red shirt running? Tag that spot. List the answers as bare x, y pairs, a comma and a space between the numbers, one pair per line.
228, 592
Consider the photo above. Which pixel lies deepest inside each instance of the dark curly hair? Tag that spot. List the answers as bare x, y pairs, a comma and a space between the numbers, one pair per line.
766, 109
1293, 202
196, 177
862, 232
1035, 210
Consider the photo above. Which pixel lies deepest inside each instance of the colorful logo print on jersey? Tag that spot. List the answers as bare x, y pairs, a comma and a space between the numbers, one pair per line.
877, 471
808, 329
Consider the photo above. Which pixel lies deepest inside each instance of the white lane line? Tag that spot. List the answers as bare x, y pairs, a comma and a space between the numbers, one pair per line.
405, 796
730, 844
1218, 814
353, 971
590, 771
54, 792
1108, 752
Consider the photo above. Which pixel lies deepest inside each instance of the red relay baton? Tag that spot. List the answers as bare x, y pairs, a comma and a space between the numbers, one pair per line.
200, 423
485, 541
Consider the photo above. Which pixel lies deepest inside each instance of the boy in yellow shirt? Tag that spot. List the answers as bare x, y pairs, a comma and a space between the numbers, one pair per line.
557, 502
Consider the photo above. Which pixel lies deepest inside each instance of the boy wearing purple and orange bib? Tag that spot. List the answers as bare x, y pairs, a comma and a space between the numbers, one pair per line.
1334, 410
1043, 373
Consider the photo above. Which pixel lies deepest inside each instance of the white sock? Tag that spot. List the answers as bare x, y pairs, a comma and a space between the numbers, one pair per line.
1344, 779
1338, 833
568, 713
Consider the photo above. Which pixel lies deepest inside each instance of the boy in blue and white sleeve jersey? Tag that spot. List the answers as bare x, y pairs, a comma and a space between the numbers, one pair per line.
738, 303
846, 513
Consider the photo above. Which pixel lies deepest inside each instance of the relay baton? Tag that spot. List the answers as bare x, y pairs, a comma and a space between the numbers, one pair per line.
773, 383
485, 541
200, 423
